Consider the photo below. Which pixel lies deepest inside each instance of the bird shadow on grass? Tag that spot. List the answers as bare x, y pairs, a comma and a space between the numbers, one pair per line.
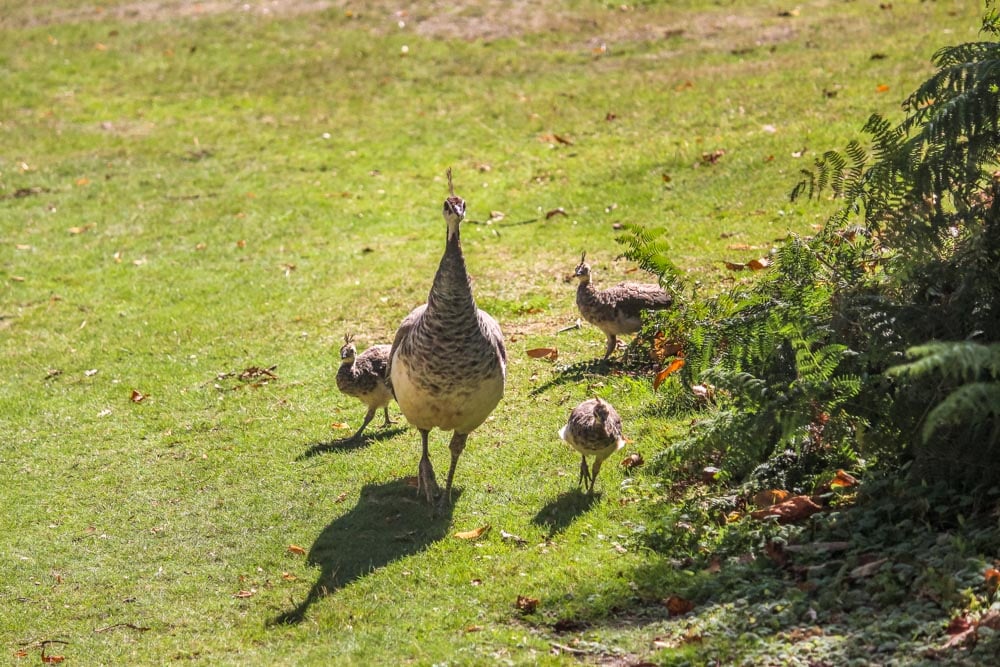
558, 514
573, 373
350, 443
389, 523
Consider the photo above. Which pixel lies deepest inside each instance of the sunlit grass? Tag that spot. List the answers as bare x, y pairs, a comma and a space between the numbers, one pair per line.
187, 196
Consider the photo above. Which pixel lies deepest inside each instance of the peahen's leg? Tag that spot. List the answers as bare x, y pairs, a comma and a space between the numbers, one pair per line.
425, 475
456, 446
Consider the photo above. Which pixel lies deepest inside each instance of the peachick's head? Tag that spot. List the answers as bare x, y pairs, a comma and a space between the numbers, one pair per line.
601, 410
454, 207
347, 350
582, 272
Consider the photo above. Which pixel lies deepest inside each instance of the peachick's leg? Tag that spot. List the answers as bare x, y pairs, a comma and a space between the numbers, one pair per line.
456, 446
598, 460
584, 473
425, 475
387, 420
364, 424
612, 344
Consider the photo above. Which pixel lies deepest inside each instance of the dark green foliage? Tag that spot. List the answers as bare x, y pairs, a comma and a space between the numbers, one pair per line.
797, 364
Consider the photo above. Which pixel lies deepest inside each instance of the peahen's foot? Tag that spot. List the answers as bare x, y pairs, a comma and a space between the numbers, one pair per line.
426, 481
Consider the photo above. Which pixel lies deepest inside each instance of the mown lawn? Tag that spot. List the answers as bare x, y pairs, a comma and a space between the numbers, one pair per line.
197, 202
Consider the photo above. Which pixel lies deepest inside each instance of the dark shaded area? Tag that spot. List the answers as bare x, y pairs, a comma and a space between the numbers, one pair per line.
351, 443
388, 523
558, 514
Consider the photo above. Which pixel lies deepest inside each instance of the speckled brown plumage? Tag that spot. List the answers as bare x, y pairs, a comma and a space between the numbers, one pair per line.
448, 362
616, 310
593, 429
364, 377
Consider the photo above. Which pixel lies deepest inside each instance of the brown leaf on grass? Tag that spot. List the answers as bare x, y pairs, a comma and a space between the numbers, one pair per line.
83, 180
547, 353
793, 510
413, 481
245, 594
559, 210
288, 576
677, 606
339, 426
82, 229
709, 473
882, 88
296, 549
990, 619
663, 348
843, 480
776, 552
257, 373
992, 579
759, 264
958, 625
474, 628
341, 498
674, 366
138, 396
740, 246
633, 460
734, 266
526, 605
765, 499
473, 534
712, 157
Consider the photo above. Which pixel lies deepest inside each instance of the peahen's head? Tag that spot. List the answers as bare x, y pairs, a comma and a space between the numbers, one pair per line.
454, 207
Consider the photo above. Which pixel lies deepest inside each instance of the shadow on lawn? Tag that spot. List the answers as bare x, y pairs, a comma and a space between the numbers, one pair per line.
558, 514
389, 522
350, 443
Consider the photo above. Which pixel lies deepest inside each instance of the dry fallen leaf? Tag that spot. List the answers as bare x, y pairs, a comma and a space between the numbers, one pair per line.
473, 534
138, 396
559, 210
992, 579
632, 461
526, 605
339, 426
547, 353
759, 264
843, 480
796, 508
882, 88
341, 498
674, 366
245, 594
765, 499
734, 266
296, 549
82, 229
288, 576
676, 605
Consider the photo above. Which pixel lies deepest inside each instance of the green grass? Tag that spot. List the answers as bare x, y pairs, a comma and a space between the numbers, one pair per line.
248, 187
